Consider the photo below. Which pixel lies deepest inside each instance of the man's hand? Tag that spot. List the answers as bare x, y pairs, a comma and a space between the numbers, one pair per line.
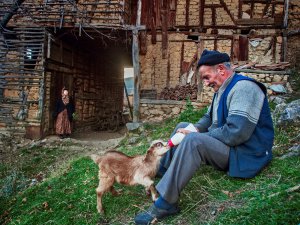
184, 131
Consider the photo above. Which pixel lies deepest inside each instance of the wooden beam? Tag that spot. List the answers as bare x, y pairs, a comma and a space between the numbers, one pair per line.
227, 10
172, 12
240, 9
168, 71
263, 1
187, 14
213, 17
136, 66
285, 26
263, 71
164, 30
201, 14
256, 21
251, 9
181, 59
153, 23
286, 14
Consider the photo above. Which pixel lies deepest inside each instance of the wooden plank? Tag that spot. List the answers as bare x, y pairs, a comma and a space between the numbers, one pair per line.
256, 21
235, 48
153, 31
263, 1
136, 67
286, 14
240, 9
144, 13
201, 14
181, 58
277, 72
153, 23
172, 12
187, 13
143, 42
216, 44
274, 48
168, 71
251, 9
213, 17
227, 11
243, 48
158, 11
164, 23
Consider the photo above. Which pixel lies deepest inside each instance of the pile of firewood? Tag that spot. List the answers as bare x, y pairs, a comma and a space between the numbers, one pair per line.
180, 92
270, 66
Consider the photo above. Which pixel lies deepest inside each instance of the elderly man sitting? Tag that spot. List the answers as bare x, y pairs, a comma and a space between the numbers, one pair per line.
235, 135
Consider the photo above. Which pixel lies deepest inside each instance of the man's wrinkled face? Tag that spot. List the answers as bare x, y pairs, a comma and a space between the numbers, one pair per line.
212, 76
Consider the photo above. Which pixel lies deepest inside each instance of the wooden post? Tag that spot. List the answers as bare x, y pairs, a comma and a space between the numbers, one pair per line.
285, 26
136, 66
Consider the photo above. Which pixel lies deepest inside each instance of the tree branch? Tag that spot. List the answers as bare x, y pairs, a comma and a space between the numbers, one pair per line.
7, 16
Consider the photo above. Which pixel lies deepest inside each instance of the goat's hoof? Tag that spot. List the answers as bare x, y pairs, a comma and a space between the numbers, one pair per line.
100, 211
154, 198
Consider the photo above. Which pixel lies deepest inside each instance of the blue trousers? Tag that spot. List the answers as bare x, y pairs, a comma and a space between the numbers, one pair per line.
181, 162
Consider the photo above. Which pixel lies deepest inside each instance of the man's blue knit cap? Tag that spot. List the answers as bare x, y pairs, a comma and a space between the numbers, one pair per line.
211, 58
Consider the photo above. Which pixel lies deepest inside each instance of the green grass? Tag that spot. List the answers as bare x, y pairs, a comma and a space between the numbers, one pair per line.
211, 197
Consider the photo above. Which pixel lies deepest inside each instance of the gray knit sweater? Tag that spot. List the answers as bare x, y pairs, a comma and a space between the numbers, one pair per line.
244, 103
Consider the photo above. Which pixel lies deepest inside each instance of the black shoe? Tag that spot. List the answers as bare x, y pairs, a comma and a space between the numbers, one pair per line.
61, 136
154, 213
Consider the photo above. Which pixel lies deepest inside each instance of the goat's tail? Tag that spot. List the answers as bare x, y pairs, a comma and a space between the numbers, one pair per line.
96, 158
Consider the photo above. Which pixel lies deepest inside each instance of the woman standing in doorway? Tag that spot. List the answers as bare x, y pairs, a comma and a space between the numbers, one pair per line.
64, 114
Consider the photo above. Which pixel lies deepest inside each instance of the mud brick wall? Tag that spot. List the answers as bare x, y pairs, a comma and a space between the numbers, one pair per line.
158, 73
294, 40
99, 14
181, 13
67, 13
21, 80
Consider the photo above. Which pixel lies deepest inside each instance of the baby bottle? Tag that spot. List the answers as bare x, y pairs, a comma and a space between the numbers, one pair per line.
178, 137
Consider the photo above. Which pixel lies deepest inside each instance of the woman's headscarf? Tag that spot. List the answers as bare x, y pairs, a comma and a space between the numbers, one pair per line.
65, 98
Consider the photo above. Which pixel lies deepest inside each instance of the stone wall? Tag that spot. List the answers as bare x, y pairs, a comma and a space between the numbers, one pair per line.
159, 110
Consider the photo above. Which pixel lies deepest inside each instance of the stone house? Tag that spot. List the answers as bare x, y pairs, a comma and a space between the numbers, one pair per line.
84, 45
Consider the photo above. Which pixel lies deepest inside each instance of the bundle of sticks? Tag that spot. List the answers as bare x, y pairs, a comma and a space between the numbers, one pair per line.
180, 92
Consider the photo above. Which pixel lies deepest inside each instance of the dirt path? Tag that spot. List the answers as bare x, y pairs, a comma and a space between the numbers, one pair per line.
86, 143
